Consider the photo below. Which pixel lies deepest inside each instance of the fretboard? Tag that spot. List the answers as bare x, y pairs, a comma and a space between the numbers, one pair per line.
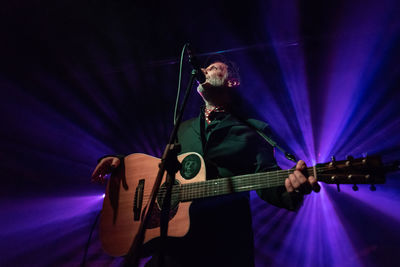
242, 183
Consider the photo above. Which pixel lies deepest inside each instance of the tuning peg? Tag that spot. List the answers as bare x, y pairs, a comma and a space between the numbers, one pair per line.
355, 187
349, 160
338, 187
372, 187
333, 162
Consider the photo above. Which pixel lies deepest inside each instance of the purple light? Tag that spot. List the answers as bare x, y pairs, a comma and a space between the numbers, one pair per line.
313, 236
343, 113
44, 221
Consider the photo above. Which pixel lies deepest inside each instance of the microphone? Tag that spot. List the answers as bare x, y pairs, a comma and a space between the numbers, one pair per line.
200, 77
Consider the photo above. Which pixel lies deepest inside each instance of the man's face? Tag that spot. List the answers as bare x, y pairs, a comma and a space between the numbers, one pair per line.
215, 89
216, 74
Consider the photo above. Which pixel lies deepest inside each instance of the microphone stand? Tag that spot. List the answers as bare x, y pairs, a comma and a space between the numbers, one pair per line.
170, 163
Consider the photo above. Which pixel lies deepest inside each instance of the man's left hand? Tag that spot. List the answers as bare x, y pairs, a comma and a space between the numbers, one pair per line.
297, 182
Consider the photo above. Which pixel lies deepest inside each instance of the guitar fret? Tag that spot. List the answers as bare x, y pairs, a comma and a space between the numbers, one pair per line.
229, 185
248, 182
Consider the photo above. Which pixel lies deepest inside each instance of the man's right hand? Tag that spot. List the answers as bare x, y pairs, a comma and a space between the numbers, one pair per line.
105, 166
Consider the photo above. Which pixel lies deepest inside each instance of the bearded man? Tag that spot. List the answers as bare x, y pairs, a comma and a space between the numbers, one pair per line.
220, 231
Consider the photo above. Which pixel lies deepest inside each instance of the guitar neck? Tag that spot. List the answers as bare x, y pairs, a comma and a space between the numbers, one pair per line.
368, 170
242, 183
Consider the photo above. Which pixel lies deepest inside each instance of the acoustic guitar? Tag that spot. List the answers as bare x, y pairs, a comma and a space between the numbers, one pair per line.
127, 193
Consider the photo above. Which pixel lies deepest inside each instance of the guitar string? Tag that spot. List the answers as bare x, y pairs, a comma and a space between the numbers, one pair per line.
204, 191
268, 181
240, 180
199, 187
219, 185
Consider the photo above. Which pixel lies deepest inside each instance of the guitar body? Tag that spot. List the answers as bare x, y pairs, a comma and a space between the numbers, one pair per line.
122, 211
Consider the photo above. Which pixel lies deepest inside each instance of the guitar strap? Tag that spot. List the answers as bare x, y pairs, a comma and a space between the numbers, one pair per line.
269, 140
203, 130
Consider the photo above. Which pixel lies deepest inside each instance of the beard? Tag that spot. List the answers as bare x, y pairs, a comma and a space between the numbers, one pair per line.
215, 90
216, 81
212, 83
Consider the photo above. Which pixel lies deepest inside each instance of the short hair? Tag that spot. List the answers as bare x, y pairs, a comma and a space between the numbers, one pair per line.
233, 69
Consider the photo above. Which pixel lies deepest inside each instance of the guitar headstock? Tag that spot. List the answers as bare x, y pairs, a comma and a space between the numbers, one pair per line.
367, 170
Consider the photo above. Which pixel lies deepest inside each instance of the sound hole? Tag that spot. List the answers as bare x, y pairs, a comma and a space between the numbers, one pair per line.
174, 197
156, 212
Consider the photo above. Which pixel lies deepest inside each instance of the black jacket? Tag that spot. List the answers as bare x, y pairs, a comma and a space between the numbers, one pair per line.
221, 228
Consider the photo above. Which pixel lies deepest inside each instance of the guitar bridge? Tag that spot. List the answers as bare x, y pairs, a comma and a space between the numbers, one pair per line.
138, 200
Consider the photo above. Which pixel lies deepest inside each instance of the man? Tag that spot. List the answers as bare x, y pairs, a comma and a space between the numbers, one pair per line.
221, 231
